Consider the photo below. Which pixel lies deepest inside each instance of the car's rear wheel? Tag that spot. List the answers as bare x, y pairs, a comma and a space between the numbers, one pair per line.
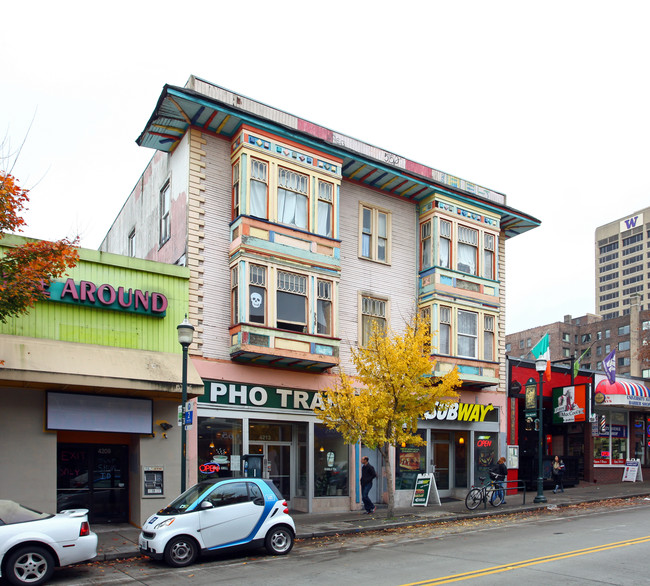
279, 540
31, 564
181, 551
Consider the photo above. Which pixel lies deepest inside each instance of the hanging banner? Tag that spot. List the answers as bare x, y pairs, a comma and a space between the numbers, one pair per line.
569, 404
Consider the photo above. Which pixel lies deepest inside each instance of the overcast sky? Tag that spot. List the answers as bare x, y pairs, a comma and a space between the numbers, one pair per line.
548, 103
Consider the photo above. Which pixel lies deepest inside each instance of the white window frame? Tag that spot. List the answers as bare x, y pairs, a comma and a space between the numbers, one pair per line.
324, 305
372, 309
425, 246
236, 193
489, 256
373, 244
165, 212
489, 337
293, 185
467, 243
295, 285
444, 331
234, 295
258, 181
464, 334
325, 209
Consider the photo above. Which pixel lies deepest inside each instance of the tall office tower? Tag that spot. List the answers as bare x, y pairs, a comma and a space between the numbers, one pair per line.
621, 264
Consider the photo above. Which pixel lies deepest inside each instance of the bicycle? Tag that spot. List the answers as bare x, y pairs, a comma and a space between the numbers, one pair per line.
491, 492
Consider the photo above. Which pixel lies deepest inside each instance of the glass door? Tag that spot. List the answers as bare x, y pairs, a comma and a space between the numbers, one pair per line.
277, 464
440, 442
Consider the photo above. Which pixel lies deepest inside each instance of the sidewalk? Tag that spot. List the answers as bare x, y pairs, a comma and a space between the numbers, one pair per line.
120, 541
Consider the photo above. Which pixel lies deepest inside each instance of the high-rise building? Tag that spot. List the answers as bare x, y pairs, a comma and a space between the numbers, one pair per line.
621, 263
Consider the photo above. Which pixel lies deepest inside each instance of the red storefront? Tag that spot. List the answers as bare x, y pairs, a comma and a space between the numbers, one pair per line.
566, 428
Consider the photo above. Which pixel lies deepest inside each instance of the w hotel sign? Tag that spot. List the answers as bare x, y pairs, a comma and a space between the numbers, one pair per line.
631, 222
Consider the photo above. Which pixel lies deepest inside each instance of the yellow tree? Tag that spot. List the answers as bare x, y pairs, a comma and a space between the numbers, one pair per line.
392, 389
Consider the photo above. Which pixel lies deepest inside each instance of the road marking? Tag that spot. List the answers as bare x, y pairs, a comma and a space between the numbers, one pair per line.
526, 563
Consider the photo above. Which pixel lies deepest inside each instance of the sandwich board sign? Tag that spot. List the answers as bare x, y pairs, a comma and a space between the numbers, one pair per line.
425, 485
632, 471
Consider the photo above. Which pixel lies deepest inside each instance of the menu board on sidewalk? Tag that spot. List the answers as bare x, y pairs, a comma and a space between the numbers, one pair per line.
425, 485
632, 471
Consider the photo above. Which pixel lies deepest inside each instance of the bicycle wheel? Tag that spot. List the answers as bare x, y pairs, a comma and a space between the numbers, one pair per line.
474, 498
496, 496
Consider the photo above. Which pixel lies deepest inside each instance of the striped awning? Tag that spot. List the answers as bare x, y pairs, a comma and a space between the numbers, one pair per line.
622, 393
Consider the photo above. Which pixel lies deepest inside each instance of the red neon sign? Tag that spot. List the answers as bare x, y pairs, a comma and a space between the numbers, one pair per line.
209, 468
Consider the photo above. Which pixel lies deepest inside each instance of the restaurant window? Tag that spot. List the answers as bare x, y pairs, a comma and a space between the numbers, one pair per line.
330, 462
411, 461
219, 448
610, 438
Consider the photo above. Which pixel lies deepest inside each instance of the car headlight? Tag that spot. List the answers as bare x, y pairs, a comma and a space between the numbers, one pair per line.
165, 523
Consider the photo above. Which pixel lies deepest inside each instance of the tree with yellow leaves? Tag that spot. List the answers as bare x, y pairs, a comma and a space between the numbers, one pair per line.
393, 387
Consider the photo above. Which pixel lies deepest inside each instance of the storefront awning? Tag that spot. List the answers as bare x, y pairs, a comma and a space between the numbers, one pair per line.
51, 364
622, 393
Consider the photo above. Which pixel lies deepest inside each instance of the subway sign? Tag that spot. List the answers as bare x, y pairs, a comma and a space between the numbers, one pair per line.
106, 296
259, 397
463, 412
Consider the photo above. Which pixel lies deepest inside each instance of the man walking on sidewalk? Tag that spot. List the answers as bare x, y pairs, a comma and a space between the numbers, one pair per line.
368, 474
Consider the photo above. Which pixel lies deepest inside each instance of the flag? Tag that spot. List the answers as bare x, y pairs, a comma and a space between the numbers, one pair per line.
609, 366
576, 364
542, 351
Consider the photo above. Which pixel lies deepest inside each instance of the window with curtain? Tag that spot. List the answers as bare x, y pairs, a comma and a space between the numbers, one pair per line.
467, 250
425, 238
291, 298
488, 337
444, 246
467, 325
444, 334
259, 189
235, 190
293, 190
488, 256
257, 294
324, 308
373, 315
234, 294
325, 199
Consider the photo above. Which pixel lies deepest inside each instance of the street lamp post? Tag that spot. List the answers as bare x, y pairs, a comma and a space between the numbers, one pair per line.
185, 335
540, 367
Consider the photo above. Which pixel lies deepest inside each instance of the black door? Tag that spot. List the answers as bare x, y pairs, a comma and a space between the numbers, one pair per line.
94, 477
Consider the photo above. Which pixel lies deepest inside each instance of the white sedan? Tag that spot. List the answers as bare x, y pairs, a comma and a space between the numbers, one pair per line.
32, 543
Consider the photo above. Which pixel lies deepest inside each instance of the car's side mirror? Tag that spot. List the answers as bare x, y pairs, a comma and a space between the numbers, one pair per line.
206, 505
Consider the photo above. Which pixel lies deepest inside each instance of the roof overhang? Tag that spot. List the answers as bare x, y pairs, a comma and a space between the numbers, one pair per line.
210, 108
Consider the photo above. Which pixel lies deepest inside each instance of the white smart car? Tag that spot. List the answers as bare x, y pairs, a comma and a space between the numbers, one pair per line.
218, 514
32, 543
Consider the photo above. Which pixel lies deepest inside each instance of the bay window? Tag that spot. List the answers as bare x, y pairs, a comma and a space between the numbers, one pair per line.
444, 343
488, 256
488, 337
234, 295
425, 239
235, 190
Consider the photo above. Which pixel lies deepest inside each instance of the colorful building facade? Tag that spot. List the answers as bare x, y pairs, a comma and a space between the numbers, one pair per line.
298, 239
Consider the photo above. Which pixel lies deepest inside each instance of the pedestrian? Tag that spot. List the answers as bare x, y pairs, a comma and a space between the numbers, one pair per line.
500, 475
558, 474
368, 474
